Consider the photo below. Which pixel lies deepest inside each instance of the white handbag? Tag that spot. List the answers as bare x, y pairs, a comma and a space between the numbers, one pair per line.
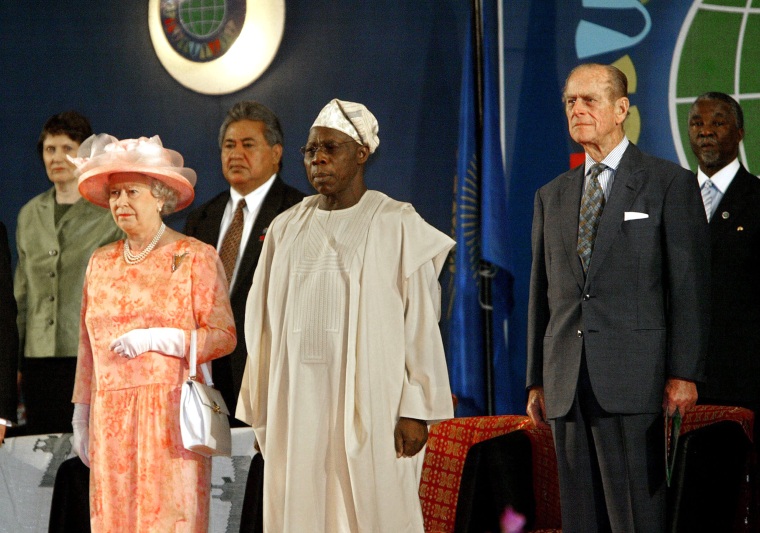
203, 415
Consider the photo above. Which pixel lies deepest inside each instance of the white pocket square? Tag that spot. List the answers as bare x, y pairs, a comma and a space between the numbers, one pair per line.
634, 215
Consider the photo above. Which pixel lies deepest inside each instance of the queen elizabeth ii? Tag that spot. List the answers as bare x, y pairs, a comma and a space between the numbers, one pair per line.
143, 296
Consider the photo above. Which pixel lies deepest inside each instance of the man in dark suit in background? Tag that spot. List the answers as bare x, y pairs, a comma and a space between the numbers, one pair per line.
617, 312
8, 338
235, 222
732, 202
251, 142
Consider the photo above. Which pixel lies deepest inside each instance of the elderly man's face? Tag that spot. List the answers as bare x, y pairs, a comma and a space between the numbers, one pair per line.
714, 135
247, 159
333, 163
591, 115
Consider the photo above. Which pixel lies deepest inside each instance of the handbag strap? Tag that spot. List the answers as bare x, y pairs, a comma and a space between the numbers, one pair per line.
194, 360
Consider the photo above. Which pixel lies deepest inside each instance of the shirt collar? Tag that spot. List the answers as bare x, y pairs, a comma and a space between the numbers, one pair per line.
723, 178
613, 158
253, 197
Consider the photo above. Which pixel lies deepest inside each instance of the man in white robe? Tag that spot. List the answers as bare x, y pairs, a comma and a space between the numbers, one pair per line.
345, 360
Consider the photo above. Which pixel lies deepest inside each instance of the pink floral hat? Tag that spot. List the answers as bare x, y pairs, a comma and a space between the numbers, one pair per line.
102, 155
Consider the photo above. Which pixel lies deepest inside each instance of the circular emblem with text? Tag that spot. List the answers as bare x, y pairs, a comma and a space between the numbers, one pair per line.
202, 30
216, 46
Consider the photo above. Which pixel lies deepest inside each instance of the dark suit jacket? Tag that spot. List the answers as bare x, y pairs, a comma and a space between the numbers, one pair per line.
640, 312
8, 333
733, 360
203, 223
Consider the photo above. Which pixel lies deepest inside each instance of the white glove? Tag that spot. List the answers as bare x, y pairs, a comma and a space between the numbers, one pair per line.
81, 424
168, 341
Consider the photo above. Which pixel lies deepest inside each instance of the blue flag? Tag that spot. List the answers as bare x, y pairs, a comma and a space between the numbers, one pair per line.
466, 344
480, 227
508, 368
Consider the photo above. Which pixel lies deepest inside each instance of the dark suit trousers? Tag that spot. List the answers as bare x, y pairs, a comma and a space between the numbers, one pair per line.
252, 518
48, 385
611, 467
70, 508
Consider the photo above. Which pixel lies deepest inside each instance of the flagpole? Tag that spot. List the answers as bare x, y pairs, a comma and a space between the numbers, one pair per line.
486, 269
477, 32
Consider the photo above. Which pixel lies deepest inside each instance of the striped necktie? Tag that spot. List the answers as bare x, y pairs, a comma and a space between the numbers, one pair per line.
708, 197
592, 205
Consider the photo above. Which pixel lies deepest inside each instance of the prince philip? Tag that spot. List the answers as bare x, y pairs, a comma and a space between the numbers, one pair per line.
618, 312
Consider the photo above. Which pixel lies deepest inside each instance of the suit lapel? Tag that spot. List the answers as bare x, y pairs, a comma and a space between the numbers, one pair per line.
270, 208
628, 180
209, 232
570, 205
734, 202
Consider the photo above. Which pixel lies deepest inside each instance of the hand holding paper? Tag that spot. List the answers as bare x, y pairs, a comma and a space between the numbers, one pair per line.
672, 431
679, 393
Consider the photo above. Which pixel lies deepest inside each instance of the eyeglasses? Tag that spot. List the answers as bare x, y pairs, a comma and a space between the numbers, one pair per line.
329, 148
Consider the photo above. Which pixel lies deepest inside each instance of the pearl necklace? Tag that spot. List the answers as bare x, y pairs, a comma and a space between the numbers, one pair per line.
133, 259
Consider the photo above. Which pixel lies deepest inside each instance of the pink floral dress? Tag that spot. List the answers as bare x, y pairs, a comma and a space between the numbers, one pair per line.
141, 478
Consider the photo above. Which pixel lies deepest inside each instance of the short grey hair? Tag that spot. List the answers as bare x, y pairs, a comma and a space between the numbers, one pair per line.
616, 78
161, 191
250, 110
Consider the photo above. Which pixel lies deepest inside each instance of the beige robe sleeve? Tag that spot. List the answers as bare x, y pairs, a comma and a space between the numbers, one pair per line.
426, 393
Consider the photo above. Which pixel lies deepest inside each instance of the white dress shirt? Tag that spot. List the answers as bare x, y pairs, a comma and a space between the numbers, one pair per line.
721, 180
253, 201
612, 161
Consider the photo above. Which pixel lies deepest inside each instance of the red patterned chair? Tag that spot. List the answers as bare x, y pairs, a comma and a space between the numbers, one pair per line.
450, 442
714, 486
447, 449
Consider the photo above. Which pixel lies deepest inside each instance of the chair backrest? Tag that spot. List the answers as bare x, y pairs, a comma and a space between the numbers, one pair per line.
710, 490
703, 415
447, 447
545, 478
450, 441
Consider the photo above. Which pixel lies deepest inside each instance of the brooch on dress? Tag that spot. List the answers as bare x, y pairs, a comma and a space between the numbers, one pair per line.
177, 260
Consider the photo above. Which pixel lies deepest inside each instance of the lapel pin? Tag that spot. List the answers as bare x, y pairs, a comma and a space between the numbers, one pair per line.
740, 228
724, 215
263, 234
177, 260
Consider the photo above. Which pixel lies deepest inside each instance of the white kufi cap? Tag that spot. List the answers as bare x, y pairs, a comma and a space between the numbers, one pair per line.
351, 118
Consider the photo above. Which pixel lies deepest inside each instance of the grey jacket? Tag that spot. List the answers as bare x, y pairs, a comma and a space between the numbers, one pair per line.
50, 272
642, 312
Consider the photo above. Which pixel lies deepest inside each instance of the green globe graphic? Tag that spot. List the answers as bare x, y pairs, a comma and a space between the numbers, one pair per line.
718, 49
202, 18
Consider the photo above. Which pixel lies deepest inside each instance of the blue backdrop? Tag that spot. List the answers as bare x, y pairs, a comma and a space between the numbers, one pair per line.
654, 43
404, 60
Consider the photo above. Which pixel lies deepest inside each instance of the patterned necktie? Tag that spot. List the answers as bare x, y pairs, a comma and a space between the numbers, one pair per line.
231, 243
592, 205
708, 197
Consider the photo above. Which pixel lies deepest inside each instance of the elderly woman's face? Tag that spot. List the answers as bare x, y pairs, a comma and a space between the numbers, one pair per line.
134, 208
55, 148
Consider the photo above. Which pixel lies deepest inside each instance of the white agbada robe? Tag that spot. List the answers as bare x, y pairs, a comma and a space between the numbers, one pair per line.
343, 339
